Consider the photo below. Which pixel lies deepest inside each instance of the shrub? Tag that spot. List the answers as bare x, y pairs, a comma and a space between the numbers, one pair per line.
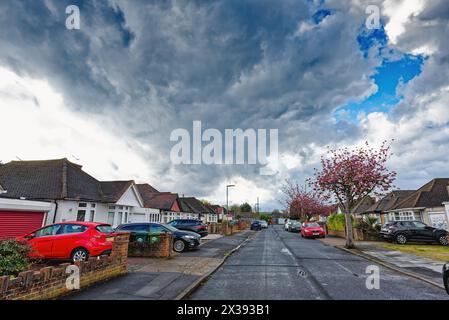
13, 257
337, 222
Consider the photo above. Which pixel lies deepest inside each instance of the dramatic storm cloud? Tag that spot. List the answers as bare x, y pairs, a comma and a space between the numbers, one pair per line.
109, 95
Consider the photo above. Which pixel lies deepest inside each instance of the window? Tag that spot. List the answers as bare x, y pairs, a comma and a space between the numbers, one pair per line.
48, 231
73, 228
126, 217
81, 215
111, 207
120, 208
402, 216
111, 218
419, 225
92, 205
105, 229
92, 215
82, 205
136, 228
156, 228
120, 217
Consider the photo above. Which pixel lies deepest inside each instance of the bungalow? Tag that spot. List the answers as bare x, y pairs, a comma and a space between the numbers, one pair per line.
166, 205
427, 204
380, 208
72, 193
194, 208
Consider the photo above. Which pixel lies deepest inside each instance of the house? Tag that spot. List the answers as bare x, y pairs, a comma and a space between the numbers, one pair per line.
380, 208
198, 209
165, 205
71, 192
427, 204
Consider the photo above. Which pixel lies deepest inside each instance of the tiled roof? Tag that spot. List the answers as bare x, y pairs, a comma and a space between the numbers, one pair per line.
191, 204
363, 205
389, 201
157, 200
432, 194
113, 190
54, 180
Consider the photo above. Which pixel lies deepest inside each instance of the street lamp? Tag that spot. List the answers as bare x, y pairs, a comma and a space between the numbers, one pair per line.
227, 195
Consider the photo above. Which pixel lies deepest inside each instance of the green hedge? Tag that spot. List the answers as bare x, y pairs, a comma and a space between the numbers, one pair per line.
337, 222
13, 257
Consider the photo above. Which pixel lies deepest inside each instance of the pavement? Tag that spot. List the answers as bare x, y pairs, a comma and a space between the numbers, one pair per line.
165, 279
278, 265
419, 266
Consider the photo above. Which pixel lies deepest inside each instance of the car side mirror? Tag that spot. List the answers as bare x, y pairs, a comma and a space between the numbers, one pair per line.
30, 236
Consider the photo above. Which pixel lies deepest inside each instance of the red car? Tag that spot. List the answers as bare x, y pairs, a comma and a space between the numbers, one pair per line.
312, 230
74, 241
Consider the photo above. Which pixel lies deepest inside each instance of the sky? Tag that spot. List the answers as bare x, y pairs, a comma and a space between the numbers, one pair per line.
109, 95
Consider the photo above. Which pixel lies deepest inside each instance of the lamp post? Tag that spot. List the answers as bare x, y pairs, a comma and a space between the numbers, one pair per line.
227, 196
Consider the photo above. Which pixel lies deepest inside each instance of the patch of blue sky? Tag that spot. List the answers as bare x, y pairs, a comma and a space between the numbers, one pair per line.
391, 73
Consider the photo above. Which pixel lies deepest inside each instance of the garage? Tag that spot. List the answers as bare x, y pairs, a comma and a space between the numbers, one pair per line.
16, 223
18, 217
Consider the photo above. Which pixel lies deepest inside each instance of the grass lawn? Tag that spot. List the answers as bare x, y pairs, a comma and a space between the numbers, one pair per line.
431, 251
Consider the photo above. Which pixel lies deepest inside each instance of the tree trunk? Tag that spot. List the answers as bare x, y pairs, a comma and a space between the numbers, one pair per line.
349, 233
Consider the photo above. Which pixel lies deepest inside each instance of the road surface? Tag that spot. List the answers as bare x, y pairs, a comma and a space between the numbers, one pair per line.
278, 265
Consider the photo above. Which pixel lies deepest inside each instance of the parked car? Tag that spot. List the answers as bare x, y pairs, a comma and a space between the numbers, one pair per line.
182, 240
190, 225
312, 230
256, 225
404, 231
446, 277
295, 226
264, 224
75, 241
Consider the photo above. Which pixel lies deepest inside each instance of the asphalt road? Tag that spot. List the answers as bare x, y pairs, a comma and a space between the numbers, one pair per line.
278, 265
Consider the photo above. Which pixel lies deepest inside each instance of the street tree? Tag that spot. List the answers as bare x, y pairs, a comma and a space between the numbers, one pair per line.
349, 176
301, 203
245, 207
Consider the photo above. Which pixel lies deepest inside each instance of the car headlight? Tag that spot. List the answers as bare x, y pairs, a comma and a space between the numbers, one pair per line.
189, 237
446, 267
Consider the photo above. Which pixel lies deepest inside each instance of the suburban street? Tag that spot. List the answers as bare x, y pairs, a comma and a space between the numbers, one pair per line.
278, 265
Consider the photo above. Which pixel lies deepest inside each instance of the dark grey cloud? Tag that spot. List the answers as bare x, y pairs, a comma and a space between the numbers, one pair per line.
152, 66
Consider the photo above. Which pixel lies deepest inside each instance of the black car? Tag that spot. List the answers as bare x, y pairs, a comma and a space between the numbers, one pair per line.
182, 240
446, 277
404, 231
190, 225
256, 225
294, 226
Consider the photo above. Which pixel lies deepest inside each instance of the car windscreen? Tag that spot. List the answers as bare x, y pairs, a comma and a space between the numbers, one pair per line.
312, 225
105, 228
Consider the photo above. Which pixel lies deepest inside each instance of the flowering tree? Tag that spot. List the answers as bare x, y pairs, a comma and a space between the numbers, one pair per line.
351, 175
303, 204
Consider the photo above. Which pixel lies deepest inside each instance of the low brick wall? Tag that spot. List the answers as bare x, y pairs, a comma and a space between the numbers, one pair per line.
50, 282
162, 247
335, 233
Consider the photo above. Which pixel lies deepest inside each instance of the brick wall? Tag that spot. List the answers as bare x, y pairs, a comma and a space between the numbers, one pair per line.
162, 248
50, 282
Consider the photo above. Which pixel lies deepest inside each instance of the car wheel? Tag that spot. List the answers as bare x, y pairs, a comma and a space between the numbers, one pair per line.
79, 254
401, 239
179, 246
442, 239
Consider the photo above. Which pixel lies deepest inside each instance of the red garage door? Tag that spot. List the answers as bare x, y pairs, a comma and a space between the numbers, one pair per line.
16, 223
